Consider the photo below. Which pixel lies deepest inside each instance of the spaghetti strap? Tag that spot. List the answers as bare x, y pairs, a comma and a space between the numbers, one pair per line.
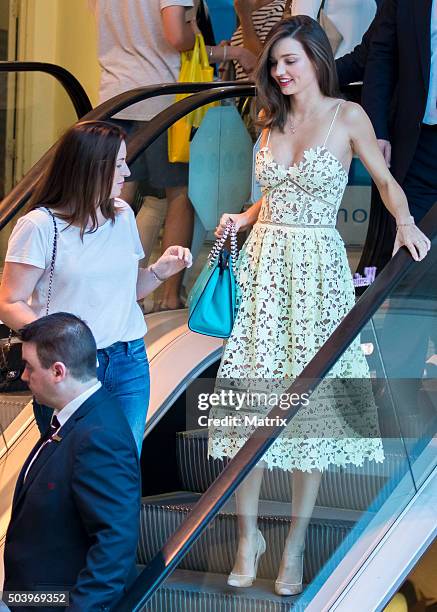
332, 122
262, 137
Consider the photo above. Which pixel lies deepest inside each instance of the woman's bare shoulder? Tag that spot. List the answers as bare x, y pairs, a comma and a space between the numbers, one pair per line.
351, 112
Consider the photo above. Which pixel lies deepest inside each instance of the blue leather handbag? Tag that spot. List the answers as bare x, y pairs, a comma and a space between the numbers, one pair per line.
214, 299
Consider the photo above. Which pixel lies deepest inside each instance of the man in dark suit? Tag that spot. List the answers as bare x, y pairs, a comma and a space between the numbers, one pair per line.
351, 67
399, 95
75, 513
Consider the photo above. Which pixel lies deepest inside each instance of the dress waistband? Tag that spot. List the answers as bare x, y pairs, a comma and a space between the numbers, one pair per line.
292, 225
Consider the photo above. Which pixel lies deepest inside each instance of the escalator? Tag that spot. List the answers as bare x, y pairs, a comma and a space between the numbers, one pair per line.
188, 520
189, 528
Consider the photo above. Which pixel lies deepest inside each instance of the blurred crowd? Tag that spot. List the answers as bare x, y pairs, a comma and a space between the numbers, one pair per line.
141, 45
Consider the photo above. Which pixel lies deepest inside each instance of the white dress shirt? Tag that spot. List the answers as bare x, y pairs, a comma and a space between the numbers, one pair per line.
63, 415
430, 116
69, 409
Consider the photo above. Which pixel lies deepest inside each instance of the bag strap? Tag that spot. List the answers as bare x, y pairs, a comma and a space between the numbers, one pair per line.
51, 275
229, 232
321, 8
53, 259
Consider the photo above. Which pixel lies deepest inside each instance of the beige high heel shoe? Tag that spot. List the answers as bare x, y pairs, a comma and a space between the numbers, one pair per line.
246, 580
294, 588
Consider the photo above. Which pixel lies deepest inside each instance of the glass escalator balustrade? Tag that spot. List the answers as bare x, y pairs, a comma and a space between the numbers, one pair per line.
350, 498
355, 505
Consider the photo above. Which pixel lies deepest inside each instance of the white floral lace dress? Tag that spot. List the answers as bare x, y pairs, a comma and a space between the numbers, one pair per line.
296, 286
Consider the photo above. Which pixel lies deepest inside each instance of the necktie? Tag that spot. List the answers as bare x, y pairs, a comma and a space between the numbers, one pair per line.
45, 439
52, 429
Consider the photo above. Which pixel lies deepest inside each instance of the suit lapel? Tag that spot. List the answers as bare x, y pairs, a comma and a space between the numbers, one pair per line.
40, 461
422, 18
20, 479
59, 440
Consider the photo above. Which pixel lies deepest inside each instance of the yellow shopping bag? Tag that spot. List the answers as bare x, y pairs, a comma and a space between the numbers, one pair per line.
195, 68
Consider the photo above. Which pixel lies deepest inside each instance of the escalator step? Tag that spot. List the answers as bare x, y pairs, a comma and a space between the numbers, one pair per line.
11, 404
190, 591
354, 488
215, 550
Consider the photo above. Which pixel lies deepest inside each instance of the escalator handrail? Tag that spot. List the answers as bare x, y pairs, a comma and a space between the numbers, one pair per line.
72, 86
210, 503
147, 134
20, 194
118, 103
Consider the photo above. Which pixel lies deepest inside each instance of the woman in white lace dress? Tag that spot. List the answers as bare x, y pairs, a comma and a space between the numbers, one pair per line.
296, 283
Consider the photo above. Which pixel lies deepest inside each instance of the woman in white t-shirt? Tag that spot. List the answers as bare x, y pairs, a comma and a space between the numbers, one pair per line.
96, 275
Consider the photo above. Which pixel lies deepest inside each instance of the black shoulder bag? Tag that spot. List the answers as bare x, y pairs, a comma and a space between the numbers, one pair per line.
11, 363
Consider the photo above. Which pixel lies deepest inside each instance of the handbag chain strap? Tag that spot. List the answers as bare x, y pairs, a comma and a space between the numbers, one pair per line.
52, 262
7, 347
229, 232
321, 8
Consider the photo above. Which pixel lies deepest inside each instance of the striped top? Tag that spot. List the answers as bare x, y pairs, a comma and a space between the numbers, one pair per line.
263, 20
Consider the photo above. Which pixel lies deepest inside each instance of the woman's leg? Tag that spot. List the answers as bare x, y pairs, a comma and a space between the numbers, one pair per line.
305, 488
178, 229
247, 498
124, 372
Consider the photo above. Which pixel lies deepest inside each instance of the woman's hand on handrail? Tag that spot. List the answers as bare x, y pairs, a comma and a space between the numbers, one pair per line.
410, 236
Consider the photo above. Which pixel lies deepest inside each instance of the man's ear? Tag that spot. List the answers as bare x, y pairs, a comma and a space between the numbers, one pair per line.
59, 371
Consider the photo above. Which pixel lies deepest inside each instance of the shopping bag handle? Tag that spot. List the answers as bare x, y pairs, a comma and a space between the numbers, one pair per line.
229, 232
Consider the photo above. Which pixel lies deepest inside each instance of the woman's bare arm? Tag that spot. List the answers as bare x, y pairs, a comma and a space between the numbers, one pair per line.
364, 144
18, 282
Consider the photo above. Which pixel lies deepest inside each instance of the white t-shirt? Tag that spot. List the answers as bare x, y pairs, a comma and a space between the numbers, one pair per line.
350, 17
95, 279
133, 51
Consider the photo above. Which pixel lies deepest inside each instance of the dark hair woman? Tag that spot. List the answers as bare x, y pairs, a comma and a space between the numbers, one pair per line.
296, 284
96, 275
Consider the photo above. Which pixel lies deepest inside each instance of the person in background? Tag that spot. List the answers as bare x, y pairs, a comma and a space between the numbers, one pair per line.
350, 17
351, 66
256, 17
79, 489
400, 97
140, 42
96, 273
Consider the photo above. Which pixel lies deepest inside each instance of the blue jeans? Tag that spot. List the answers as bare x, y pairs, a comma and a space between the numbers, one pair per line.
124, 371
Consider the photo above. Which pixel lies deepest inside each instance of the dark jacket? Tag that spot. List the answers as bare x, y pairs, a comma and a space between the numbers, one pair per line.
75, 518
350, 67
399, 59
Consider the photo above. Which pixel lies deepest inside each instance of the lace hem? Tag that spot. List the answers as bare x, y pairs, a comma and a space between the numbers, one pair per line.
310, 454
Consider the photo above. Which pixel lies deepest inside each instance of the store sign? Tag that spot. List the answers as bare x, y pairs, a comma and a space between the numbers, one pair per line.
367, 279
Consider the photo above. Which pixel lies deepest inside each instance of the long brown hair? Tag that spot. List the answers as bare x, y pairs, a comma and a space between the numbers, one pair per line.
307, 31
80, 175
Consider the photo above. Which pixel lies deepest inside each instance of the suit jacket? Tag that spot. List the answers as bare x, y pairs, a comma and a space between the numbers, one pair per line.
351, 67
399, 59
75, 518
